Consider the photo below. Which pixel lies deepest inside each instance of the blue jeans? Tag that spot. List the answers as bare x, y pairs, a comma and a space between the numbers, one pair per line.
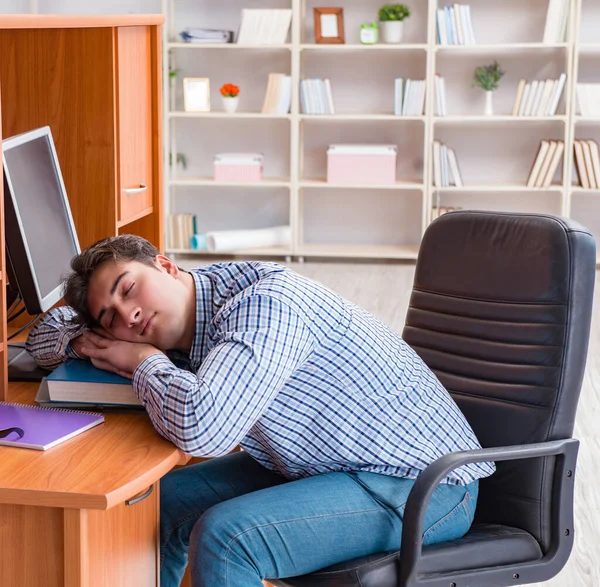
242, 522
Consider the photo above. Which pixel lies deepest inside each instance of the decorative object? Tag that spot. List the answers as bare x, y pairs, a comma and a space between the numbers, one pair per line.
487, 78
369, 33
391, 17
230, 97
329, 25
196, 94
180, 158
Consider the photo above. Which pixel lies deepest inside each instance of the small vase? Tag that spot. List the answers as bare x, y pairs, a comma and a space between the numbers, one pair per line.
230, 103
392, 31
489, 103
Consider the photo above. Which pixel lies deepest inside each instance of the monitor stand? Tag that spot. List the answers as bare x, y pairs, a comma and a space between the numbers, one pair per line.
22, 366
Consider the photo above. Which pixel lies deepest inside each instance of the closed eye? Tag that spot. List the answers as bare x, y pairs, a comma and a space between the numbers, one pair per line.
128, 291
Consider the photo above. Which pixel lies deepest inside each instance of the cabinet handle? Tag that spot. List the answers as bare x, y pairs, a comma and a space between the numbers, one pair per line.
139, 498
142, 188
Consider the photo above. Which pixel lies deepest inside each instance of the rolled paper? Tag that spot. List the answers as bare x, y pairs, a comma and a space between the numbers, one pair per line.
237, 240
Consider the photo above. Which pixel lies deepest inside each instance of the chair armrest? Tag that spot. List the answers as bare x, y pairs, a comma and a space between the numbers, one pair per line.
418, 499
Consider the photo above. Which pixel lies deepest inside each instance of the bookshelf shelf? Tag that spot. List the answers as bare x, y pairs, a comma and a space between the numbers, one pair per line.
501, 148
208, 181
260, 252
400, 185
229, 46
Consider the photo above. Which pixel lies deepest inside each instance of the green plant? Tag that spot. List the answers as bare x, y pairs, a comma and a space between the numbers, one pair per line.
180, 158
488, 76
173, 74
393, 12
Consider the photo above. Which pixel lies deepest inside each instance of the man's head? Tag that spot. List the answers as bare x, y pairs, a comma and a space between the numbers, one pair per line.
124, 285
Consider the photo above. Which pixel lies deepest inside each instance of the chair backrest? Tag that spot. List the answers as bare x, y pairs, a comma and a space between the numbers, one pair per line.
500, 311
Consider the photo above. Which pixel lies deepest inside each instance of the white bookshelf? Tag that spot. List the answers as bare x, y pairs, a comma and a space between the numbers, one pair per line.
495, 153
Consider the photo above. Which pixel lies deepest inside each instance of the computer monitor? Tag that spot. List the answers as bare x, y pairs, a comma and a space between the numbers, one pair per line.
40, 234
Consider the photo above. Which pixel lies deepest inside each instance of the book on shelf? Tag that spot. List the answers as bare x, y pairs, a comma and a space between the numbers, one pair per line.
439, 87
409, 97
437, 211
557, 18
546, 163
260, 26
588, 99
78, 381
207, 36
539, 97
446, 171
278, 94
182, 227
587, 163
316, 96
40, 428
454, 25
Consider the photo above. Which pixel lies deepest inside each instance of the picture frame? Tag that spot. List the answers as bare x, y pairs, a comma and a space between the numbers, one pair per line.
329, 25
196, 94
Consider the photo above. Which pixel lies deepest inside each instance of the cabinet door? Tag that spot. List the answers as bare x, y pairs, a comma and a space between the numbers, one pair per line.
123, 543
134, 62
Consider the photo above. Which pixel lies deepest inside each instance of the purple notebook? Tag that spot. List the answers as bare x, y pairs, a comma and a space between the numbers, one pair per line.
42, 428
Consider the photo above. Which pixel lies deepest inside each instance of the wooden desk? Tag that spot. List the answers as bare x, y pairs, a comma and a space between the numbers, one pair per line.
64, 514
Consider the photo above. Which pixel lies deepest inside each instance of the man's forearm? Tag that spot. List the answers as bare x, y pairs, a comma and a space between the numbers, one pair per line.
49, 340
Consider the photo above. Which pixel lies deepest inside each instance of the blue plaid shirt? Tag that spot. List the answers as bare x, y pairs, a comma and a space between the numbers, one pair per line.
303, 380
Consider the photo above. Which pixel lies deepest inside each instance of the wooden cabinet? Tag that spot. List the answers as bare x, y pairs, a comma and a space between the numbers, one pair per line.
134, 48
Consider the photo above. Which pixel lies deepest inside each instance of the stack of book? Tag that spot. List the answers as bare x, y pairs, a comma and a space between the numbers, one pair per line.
445, 167
316, 96
439, 85
264, 26
409, 97
587, 163
438, 211
588, 99
208, 36
454, 25
278, 95
182, 228
546, 163
557, 19
539, 98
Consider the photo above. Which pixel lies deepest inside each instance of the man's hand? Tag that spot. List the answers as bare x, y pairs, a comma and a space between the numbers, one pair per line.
114, 355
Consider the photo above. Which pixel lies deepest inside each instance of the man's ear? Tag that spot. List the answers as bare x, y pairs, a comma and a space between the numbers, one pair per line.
165, 264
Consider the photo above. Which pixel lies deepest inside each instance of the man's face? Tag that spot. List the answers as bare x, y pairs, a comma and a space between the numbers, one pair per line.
139, 303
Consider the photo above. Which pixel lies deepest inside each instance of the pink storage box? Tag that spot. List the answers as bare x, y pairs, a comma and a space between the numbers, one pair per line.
238, 167
361, 164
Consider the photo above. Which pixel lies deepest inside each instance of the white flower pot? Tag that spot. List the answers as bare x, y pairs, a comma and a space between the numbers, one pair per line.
230, 103
391, 31
489, 103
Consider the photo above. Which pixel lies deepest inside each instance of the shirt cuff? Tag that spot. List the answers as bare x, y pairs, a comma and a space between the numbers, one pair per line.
147, 368
63, 344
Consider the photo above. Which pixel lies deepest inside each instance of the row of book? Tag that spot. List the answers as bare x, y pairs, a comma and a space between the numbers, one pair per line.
409, 97
260, 26
539, 98
557, 19
545, 164
182, 228
278, 95
588, 99
439, 87
454, 25
316, 96
587, 163
445, 166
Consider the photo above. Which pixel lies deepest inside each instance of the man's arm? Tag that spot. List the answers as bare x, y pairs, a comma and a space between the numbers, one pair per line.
49, 341
261, 343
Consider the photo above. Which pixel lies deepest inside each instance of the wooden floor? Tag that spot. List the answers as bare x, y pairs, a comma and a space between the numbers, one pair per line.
384, 290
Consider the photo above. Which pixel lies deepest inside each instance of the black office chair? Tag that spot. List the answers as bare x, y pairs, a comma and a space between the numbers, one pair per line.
500, 310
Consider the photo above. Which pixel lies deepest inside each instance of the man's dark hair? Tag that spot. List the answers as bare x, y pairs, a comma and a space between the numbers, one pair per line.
125, 247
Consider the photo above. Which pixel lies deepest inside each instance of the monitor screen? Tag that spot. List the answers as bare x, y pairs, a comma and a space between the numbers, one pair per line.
40, 235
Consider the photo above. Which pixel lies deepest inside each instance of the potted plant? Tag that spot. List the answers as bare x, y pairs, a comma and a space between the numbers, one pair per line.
487, 78
230, 97
391, 18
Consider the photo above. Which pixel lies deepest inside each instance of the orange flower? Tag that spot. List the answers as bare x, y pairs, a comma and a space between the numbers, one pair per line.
229, 90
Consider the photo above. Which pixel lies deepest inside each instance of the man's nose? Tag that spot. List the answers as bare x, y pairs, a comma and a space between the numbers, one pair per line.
135, 315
